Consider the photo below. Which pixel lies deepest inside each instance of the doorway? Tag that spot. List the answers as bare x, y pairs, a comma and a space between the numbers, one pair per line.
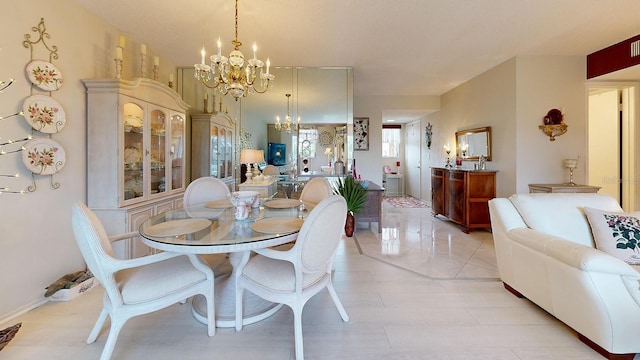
412, 156
611, 150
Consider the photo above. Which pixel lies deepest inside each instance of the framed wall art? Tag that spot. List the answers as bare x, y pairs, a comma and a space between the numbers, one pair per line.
360, 133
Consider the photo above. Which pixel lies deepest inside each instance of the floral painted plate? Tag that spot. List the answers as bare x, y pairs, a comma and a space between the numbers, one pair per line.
44, 75
44, 114
43, 156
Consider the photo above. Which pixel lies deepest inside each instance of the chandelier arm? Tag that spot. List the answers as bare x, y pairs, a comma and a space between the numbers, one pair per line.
206, 84
264, 89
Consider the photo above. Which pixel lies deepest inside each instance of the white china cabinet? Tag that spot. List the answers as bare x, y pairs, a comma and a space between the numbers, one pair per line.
213, 147
135, 154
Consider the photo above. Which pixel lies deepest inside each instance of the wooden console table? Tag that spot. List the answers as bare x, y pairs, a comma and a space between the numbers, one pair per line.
562, 188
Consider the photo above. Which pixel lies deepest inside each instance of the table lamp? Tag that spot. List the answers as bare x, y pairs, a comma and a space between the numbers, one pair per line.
328, 152
259, 159
248, 157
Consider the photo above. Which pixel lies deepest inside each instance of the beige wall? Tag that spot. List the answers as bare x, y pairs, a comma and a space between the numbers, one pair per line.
544, 83
513, 98
37, 245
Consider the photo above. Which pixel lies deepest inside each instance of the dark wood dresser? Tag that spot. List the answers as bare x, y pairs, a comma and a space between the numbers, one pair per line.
462, 196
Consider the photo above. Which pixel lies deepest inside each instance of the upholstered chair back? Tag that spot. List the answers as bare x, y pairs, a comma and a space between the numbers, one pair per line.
316, 190
205, 189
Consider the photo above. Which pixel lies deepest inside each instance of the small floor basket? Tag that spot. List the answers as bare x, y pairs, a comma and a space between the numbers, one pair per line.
7, 334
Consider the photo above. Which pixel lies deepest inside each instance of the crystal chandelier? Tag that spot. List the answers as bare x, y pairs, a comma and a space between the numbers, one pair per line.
287, 125
231, 75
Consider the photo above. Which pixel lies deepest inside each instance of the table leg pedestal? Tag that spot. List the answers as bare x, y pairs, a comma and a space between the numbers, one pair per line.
254, 307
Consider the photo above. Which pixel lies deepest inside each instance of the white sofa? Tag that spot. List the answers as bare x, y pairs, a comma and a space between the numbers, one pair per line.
545, 252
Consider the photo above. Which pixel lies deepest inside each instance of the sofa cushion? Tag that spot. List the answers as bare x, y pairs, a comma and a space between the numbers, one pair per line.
561, 214
616, 233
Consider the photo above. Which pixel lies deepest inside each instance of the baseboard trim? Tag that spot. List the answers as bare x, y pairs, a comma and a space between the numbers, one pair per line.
22, 310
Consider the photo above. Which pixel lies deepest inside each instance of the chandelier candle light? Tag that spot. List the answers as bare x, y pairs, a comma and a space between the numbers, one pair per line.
231, 75
288, 125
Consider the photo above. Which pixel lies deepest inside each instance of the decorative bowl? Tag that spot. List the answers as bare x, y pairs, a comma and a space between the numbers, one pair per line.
243, 198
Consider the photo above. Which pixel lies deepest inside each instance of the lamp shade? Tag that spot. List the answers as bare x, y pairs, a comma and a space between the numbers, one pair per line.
251, 156
327, 151
260, 156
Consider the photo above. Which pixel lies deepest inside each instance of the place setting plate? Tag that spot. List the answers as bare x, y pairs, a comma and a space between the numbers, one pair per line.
282, 203
177, 227
277, 225
219, 204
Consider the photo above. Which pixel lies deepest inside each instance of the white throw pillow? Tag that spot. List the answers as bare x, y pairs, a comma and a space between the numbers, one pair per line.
616, 233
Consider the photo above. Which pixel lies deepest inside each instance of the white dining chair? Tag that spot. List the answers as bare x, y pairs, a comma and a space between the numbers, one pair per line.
205, 189
294, 276
137, 286
271, 170
314, 191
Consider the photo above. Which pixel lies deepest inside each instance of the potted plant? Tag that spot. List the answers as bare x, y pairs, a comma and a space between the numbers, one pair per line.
355, 195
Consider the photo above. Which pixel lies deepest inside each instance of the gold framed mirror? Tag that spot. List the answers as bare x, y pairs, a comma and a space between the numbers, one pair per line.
473, 143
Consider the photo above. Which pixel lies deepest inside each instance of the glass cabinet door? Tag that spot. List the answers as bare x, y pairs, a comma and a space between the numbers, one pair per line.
228, 152
221, 151
133, 150
176, 151
213, 148
158, 152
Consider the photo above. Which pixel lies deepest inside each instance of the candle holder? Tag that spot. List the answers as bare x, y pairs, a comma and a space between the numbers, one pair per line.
143, 65
571, 164
118, 68
170, 84
156, 71
448, 164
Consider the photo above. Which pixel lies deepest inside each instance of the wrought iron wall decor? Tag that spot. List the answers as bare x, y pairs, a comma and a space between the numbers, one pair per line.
42, 155
428, 133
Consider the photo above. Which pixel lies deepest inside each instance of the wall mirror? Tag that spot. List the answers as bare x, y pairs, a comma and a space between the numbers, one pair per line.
473, 143
321, 96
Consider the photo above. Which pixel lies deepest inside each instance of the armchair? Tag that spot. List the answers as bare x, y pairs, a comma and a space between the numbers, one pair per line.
137, 286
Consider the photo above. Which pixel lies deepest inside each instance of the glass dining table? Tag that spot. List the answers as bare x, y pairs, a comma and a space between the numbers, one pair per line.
211, 228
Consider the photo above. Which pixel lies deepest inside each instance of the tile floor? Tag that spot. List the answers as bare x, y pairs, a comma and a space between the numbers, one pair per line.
430, 293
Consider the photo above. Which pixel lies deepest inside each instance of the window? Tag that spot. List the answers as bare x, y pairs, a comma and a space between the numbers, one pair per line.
307, 139
390, 142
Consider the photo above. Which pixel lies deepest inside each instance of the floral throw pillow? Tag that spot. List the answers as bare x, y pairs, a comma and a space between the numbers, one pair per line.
617, 234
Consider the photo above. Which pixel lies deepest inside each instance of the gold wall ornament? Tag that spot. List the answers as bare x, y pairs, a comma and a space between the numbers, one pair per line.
553, 130
553, 124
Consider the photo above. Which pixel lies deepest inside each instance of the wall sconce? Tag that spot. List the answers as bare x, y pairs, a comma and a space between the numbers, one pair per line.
553, 124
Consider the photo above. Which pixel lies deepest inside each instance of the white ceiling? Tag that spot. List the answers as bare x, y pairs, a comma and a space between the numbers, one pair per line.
401, 47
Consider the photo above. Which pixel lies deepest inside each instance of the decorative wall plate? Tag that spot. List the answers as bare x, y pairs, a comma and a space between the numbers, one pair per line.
43, 156
44, 75
44, 114
325, 138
